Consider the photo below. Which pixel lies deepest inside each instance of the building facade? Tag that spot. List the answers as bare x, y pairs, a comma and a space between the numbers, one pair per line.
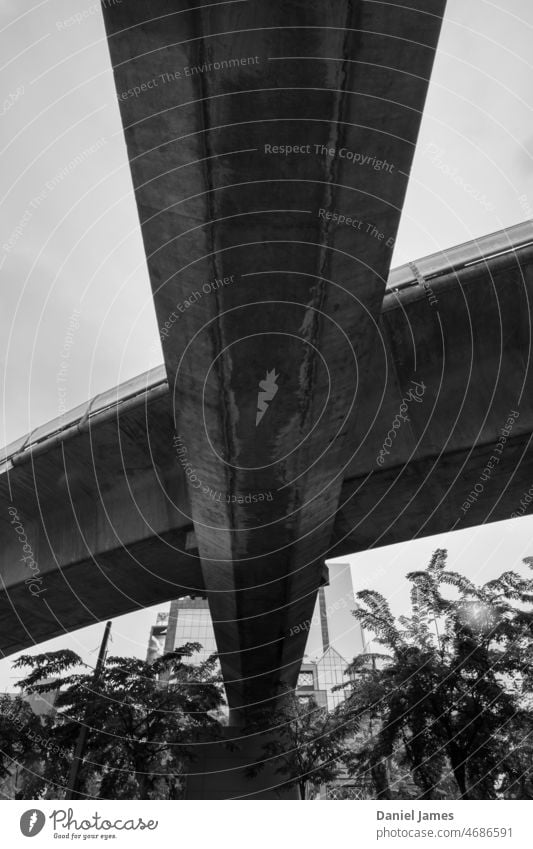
187, 621
335, 637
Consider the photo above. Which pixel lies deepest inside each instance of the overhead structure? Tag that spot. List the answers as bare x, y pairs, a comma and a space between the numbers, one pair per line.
270, 147
101, 498
104, 505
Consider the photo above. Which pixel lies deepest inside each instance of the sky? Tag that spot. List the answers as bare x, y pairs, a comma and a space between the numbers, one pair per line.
70, 243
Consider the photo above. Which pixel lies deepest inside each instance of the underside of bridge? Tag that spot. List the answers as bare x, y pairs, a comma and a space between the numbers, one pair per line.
302, 412
257, 125
105, 505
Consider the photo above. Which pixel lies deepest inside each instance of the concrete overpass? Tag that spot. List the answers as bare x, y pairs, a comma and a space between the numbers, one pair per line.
270, 147
104, 503
460, 322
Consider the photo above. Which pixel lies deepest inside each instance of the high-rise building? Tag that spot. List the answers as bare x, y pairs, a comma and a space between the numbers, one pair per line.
333, 623
335, 636
158, 635
188, 621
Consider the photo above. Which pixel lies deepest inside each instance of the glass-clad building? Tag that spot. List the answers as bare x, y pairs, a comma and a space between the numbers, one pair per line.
330, 673
188, 621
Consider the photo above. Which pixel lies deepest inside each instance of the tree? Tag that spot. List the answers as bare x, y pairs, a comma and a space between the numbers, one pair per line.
449, 694
21, 734
143, 718
303, 741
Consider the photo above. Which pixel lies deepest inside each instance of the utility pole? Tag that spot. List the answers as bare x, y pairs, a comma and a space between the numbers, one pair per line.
84, 728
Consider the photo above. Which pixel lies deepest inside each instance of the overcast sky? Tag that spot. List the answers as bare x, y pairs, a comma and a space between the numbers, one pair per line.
77, 245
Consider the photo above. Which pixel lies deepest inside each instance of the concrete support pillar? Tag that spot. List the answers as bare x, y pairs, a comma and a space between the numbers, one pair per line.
220, 770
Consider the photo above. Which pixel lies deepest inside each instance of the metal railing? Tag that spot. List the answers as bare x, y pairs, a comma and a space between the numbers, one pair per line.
476, 251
